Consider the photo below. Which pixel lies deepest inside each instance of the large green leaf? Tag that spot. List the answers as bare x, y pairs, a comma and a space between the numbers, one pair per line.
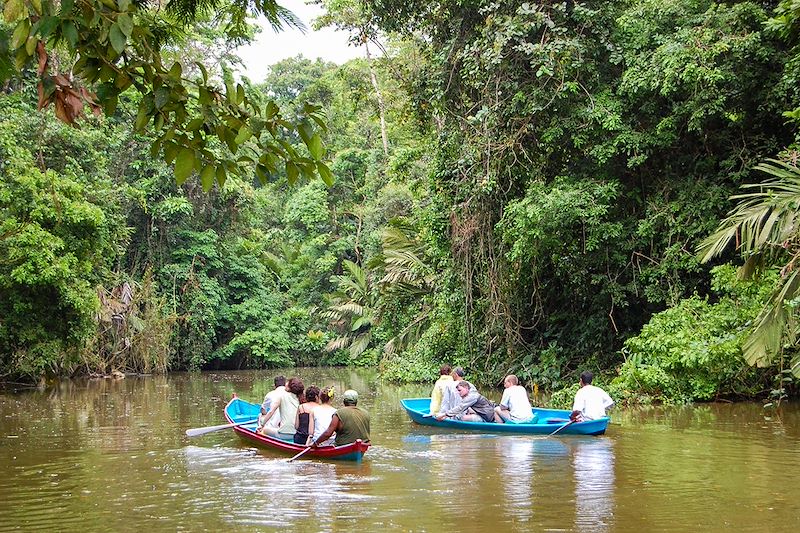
184, 164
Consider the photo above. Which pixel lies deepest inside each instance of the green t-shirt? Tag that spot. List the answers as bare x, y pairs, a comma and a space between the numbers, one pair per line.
354, 425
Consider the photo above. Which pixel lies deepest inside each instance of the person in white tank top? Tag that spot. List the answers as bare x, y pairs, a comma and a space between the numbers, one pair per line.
322, 415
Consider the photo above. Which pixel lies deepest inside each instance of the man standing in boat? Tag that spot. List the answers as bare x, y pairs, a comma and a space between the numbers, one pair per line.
350, 423
590, 402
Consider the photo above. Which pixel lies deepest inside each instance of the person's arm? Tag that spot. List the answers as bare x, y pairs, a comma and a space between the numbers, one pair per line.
505, 401
332, 428
272, 408
465, 404
310, 423
297, 417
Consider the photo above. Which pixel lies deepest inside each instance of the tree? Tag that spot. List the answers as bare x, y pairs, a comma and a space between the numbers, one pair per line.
356, 17
765, 225
114, 47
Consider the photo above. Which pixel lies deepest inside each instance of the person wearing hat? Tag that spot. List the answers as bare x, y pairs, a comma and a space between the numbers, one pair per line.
350, 423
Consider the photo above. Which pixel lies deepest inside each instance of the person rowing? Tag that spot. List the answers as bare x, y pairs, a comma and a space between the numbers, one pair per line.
350, 423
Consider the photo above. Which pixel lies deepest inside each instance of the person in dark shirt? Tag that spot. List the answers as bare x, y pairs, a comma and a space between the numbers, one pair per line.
350, 423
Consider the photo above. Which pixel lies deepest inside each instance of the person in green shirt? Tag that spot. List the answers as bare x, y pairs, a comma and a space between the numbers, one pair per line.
350, 423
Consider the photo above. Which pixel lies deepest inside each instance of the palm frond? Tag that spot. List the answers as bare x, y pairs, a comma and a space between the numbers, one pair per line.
360, 344
765, 340
762, 219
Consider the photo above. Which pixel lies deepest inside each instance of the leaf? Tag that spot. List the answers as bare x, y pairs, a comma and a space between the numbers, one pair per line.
244, 134
315, 147
203, 71
69, 31
239, 94
207, 177
184, 164
292, 172
270, 110
325, 173
21, 33
37, 6
117, 38
13, 10
47, 25
306, 131
124, 4
162, 96
222, 175
125, 23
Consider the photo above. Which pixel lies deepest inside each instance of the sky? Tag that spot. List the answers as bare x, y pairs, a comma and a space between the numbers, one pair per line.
270, 47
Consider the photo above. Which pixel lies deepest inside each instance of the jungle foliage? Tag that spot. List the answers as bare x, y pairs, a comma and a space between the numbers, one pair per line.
519, 187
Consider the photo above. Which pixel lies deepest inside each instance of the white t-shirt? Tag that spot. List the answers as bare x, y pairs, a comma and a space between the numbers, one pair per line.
516, 399
271, 397
450, 397
592, 402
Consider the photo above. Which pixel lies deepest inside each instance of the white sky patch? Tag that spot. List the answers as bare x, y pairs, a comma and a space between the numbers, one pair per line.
270, 47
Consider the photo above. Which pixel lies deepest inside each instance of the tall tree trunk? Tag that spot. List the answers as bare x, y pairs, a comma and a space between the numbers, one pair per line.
381, 106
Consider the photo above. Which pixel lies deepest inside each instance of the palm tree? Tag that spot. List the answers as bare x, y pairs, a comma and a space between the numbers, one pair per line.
353, 310
408, 275
765, 227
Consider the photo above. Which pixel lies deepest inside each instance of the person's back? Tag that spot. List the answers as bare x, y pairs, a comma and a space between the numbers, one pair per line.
289, 404
515, 407
323, 414
273, 397
440, 388
590, 402
354, 425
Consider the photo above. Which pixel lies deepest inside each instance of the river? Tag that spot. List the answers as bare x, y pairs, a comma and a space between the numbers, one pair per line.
112, 456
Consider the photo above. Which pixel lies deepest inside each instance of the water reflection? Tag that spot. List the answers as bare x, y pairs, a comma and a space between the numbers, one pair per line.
593, 470
101, 456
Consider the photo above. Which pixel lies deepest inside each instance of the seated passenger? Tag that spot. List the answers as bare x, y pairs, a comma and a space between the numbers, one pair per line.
321, 417
350, 423
440, 389
286, 406
515, 406
472, 408
303, 421
271, 403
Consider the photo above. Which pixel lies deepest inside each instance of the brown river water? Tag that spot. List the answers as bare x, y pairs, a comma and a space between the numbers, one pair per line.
113, 456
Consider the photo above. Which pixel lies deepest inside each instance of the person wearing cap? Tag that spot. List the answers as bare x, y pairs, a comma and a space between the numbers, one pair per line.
350, 423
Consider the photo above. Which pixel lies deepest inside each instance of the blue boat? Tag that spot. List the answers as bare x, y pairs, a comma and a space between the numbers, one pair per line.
547, 421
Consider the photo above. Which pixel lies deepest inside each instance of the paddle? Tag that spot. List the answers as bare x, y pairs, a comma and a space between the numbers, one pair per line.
298, 455
202, 431
562, 427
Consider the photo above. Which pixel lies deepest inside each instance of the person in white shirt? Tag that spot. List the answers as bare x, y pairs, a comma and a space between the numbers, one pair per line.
514, 406
590, 402
271, 403
450, 396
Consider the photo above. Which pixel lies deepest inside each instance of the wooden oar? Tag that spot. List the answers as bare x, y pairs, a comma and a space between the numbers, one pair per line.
202, 431
562, 427
298, 455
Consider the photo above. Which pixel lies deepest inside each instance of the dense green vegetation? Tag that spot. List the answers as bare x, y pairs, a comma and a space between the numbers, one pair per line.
518, 188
